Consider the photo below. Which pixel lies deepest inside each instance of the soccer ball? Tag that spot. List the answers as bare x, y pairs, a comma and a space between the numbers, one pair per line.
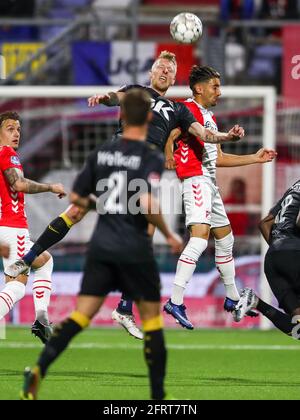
186, 28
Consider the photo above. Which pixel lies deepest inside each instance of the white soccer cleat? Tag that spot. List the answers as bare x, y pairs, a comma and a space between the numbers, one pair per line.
128, 322
17, 268
247, 302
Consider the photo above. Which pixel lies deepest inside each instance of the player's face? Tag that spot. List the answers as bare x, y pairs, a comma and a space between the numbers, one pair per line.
10, 132
211, 91
163, 75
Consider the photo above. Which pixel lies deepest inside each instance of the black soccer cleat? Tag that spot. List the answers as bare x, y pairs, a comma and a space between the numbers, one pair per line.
43, 332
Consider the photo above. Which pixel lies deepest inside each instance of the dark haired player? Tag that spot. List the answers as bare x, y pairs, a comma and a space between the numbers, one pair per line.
14, 228
196, 163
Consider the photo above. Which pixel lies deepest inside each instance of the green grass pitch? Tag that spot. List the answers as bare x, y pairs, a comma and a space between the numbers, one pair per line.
107, 364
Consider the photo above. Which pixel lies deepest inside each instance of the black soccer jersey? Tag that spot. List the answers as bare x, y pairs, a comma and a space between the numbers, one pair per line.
116, 173
167, 115
285, 234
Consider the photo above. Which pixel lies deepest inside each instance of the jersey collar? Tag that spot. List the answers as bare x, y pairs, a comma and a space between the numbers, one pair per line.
204, 110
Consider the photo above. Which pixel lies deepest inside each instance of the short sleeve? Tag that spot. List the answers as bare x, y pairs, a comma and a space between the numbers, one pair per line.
85, 182
9, 159
185, 117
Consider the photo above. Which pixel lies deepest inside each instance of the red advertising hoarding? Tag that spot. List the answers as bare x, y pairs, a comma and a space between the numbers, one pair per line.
291, 62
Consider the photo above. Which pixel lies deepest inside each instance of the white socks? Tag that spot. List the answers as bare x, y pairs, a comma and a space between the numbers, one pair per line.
10, 295
186, 266
225, 265
41, 289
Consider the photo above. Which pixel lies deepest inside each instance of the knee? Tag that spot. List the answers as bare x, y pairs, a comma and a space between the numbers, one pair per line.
195, 247
74, 214
224, 246
18, 289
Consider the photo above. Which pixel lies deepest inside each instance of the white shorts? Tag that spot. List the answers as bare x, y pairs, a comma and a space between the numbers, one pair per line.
203, 203
18, 241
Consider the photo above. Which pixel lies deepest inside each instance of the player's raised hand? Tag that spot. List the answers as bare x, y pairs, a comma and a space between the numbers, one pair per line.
4, 250
175, 242
58, 189
264, 155
97, 99
236, 133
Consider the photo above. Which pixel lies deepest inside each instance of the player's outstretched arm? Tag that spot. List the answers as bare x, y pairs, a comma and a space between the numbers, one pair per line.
110, 99
17, 181
152, 211
263, 155
265, 227
216, 137
169, 149
4, 250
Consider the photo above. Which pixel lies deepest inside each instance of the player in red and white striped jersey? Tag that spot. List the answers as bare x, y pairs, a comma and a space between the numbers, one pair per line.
195, 163
14, 227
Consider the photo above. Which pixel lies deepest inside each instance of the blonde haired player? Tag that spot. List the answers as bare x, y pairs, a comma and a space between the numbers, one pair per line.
167, 115
14, 228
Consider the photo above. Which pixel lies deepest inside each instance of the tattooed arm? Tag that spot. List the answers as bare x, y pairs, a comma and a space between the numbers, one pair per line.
17, 181
215, 137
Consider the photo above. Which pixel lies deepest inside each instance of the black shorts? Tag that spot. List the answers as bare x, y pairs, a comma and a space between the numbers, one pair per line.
137, 281
282, 269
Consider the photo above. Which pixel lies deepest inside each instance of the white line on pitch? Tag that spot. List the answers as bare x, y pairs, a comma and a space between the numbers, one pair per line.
235, 347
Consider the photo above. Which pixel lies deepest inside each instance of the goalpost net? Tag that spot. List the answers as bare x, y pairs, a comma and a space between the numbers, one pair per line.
59, 131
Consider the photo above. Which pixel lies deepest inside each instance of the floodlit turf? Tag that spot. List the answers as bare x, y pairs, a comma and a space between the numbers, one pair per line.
108, 364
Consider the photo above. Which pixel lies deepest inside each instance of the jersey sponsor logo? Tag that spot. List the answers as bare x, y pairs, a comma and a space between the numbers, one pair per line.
15, 160
118, 159
211, 125
163, 108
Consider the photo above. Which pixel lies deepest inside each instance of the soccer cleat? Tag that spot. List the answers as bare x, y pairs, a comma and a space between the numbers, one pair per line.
128, 322
178, 312
229, 306
43, 332
247, 302
32, 378
17, 268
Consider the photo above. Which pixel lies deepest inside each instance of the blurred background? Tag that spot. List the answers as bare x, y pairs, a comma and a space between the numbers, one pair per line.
101, 43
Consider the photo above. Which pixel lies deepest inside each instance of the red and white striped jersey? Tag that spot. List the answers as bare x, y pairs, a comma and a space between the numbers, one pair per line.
194, 157
12, 202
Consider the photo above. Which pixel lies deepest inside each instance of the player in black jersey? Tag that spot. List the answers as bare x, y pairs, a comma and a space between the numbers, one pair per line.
281, 229
167, 115
120, 255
